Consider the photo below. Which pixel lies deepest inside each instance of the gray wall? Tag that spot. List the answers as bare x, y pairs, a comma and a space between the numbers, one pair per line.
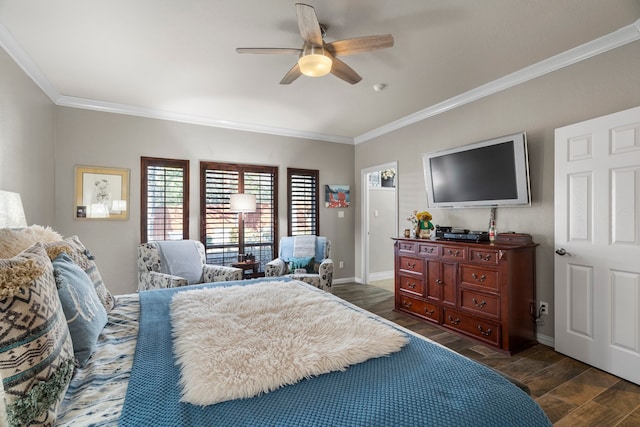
604, 84
26, 142
102, 139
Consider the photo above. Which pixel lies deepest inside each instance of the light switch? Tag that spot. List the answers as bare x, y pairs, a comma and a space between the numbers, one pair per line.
340, 214
375, 212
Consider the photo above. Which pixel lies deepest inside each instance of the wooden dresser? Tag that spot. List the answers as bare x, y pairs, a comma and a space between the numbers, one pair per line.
483, 291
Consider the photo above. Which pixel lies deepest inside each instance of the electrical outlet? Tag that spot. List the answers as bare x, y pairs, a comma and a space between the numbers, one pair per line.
544, 307
341, 265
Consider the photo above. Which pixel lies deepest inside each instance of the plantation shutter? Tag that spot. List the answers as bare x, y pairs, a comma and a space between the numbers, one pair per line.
164, 199
303, 201
220, 229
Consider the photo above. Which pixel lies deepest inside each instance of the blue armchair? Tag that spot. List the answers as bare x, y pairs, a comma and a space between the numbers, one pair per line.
304, 258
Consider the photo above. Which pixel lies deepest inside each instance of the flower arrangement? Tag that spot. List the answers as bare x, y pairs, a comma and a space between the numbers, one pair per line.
388, 173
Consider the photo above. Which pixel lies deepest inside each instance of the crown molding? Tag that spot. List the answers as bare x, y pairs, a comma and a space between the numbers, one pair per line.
621, 37
152, 113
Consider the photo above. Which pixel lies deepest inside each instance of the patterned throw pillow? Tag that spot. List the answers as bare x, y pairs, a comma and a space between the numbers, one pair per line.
73, 247
86, 316
36, 353
306, 264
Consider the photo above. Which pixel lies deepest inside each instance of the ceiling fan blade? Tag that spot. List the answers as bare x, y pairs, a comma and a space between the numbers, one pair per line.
293, 74
308, 24
344, 72
360, 44
269, 50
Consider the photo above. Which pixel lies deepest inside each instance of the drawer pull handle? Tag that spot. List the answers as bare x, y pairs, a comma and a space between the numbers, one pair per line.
454, 321
453, 253
411, 265
439, 282
429, 312
483, 332
480, 304
411, 285
406, 304
479, 279
484, 258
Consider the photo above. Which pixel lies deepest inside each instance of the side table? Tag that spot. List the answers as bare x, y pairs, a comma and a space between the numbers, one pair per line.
249, 268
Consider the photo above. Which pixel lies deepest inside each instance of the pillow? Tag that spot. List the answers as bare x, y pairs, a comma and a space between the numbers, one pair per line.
306, 264
85, 314
36, 353
73, 247
14, 241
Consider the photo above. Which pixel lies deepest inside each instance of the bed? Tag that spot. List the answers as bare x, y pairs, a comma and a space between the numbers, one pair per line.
260, 352
132, 383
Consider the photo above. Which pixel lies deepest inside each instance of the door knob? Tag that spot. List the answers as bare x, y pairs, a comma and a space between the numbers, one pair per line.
562, 252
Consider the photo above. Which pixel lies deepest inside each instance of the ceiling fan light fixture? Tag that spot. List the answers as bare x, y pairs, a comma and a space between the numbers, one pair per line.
314, 63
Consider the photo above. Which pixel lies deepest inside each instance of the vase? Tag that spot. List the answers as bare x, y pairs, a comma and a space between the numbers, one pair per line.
416, 232
387, 182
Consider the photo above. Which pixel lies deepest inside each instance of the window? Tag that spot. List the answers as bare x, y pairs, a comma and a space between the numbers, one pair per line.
164, 199
224, 233
303, 198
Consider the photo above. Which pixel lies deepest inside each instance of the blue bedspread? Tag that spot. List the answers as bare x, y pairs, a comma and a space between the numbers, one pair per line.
423, 384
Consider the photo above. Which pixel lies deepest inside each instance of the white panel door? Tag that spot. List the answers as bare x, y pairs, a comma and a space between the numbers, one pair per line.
597, 238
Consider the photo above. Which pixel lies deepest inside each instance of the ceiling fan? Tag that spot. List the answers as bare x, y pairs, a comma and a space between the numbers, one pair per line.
317, 58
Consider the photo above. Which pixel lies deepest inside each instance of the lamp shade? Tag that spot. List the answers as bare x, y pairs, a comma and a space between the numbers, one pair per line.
242, 203
11, 210
314, 62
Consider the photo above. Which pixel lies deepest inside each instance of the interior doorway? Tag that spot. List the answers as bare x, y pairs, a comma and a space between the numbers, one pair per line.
379, 219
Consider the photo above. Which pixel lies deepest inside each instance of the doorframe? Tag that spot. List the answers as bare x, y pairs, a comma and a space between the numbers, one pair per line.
364, 214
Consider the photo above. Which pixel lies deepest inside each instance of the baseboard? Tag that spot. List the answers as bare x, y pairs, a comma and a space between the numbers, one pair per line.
546, 340
383, 275
343, 280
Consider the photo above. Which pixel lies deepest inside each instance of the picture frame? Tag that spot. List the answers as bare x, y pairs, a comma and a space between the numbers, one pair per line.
101, 193
337, 196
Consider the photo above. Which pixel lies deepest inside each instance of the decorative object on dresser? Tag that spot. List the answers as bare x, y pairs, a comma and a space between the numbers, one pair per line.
483, 291
421, 224
173, 263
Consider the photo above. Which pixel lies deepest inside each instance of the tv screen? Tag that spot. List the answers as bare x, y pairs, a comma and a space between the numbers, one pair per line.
487, 173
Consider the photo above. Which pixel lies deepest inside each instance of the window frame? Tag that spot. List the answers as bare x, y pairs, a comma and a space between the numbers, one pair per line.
241, 170
314, 205
145, 163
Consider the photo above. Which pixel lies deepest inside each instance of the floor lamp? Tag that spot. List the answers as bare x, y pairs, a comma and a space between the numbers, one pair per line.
11, 210
242, 204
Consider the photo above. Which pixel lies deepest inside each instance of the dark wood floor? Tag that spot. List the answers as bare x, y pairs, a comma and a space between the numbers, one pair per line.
570, 392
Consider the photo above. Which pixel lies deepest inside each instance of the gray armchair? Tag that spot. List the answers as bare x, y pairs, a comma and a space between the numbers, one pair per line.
294, 250
173, 263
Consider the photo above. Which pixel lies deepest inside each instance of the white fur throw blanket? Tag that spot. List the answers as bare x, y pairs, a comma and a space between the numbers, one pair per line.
240, 341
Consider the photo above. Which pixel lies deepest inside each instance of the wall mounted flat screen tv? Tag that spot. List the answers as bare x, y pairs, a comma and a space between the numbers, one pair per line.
484, 174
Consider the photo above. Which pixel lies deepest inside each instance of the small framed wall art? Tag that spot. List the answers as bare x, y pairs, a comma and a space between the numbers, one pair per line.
337, 196
101, 193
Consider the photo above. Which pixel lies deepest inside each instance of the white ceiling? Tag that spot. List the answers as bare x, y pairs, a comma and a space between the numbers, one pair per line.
177, 60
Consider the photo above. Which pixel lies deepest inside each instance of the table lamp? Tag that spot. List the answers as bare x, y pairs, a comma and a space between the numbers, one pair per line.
11, 210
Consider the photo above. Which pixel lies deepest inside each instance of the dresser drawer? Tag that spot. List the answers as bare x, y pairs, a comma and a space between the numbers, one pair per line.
418, 307
481, 329
410, 264
476, 276
480, 303
428, 249
406, 247
482, 256
454, 253
412, 284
